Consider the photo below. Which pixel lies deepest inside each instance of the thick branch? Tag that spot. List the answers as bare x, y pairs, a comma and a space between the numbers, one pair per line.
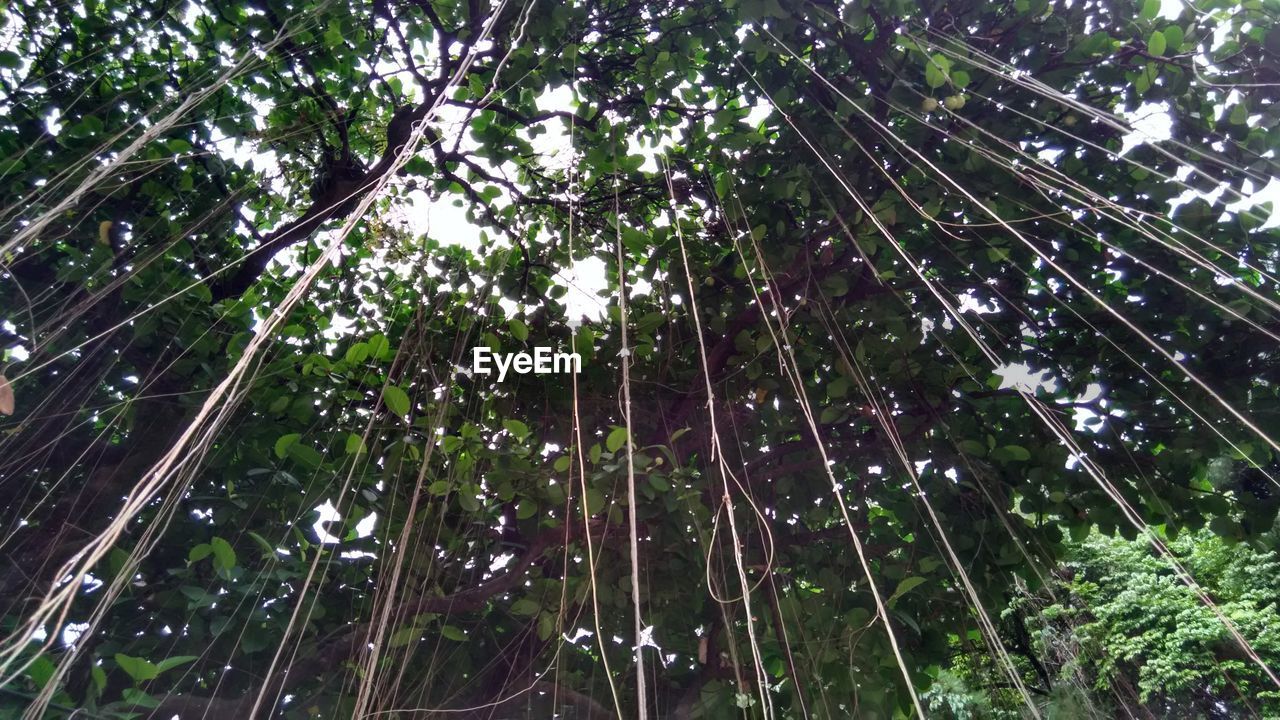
338, 202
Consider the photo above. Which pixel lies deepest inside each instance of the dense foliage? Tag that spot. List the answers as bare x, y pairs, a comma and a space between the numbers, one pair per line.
221, 312
1115, 631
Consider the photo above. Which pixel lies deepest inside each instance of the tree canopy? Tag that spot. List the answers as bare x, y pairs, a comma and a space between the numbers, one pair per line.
1114, 630
899, 302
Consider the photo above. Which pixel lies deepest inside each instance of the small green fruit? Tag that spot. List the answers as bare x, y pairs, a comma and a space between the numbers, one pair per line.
953, 102
929, 104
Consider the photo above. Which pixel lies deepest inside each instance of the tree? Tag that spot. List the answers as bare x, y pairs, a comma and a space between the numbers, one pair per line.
217, 320
1115, 621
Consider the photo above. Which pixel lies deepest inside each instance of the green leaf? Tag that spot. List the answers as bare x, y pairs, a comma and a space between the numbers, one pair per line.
595, 501
836, 285
452, 633
224, 556
305, 455
134, 696
1156, 44
1150, 9
616, 439
1143, 83
175, 661
516, 428
525, 606
284, 443
1173, 37
519, 330
467, 499
1017, 452
404, 636
650, 322
546, 625
1223, 527
562, 463
137, 668
584, 343
905, 586
355, 444
357, 353
439, 487
397, 400
199, 552
41, 671
933, 77
199, 597
117, 560
936, 71
380, 347
268, 550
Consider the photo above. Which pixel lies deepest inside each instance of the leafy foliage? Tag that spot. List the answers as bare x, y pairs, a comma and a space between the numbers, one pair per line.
1182, 655
1118, 630
358, 511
